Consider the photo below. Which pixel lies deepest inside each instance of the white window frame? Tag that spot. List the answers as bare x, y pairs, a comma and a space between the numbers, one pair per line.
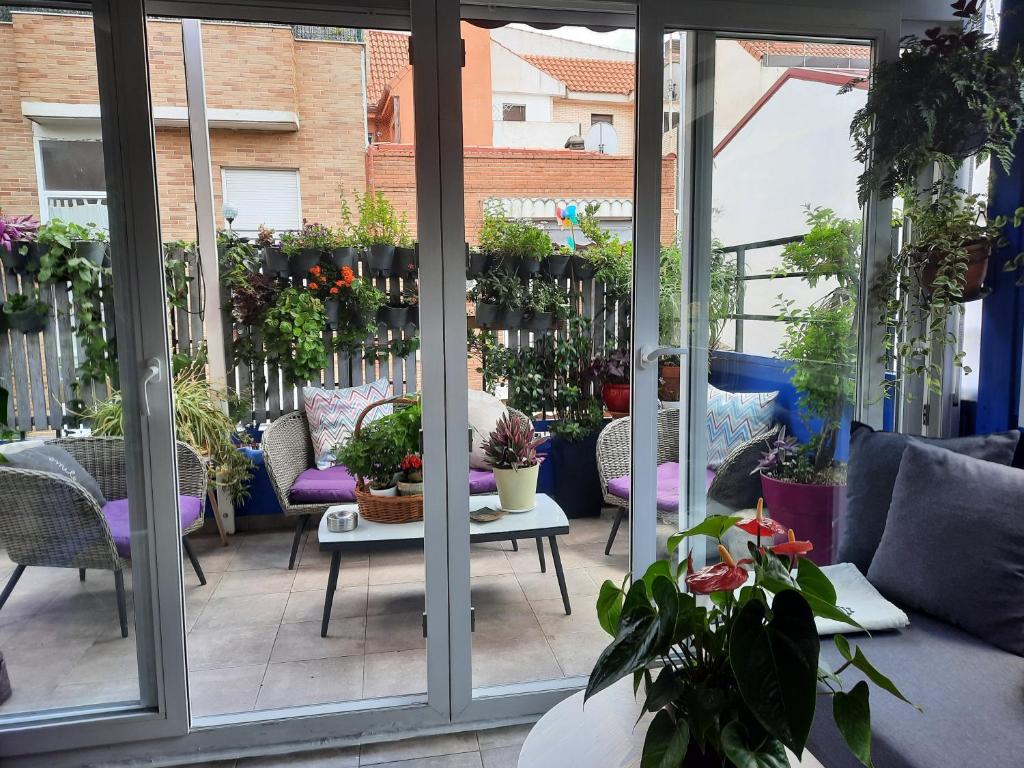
84, 130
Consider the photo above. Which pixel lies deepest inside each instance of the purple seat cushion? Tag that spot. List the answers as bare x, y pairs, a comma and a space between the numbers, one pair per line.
668, 487
481, 481
334, 485
116, 514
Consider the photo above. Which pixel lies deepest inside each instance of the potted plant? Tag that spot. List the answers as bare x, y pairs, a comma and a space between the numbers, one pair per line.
612, 370
803, 485
394, 314
558, 261
514, 245
380, 230
543, 300
25, 313
293, 335
499, 300
511, 450
16, 235
730, 668
407, 258
274, 258
344, 251
377, 450
305, 247
477, 261
949, 96
90, 243
411, 481
358, 304
411, 296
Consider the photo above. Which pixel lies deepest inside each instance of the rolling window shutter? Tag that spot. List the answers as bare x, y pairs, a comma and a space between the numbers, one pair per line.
263, 197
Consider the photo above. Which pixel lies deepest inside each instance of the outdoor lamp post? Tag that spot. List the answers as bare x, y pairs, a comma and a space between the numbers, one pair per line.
230, 213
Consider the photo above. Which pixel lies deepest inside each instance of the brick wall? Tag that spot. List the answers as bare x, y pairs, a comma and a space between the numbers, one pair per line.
496, 172
573, 111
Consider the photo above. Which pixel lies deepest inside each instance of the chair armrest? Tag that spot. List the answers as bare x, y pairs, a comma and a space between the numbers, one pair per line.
193, 477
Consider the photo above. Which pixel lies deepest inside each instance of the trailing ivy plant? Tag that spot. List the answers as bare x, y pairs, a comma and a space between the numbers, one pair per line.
293, 335
90, 284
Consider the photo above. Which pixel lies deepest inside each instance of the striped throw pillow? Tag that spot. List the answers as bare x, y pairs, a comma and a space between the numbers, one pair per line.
332, 413
734, 418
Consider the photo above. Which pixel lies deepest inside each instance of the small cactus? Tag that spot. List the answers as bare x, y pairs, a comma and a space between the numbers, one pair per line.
512, 444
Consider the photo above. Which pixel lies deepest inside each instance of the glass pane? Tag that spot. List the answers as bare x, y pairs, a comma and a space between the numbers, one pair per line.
67, 616
305, 254
548, 207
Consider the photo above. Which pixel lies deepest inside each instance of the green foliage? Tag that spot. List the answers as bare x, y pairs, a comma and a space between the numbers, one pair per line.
946, 98
358, 305
735, 677
21, 302
90, 286
821, 342
499, 287
378, 223
376, 452
237, 258
546, 295
176, 276
313, 236
512, 237
612, 258
293, 335
201, 420
721, 300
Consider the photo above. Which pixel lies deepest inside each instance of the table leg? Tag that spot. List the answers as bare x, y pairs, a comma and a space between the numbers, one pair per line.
515, 545
560, 574
332, 585
540, 554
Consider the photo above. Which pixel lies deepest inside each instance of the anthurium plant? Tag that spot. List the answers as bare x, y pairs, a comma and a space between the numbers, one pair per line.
731, 669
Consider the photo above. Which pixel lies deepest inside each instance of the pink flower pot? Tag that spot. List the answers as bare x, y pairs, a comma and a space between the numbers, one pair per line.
812, 511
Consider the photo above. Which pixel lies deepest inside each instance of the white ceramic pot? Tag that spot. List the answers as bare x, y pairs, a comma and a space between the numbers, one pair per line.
517, 488
392, 491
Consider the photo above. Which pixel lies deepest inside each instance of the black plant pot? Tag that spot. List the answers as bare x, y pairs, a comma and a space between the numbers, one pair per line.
510, 318
92, 250
487, 315
332, 307
26, 321
14, 259
275, 260
414, 316
528, 267
538, 321
344, 257
582, 269
576, 485
557, 264
406, 262
380, 259
476, 264
393, 317
509, 264
303, 261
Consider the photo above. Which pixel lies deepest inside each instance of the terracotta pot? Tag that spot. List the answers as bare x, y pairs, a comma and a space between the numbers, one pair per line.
812, 511
977, 267
669, 389
616, 397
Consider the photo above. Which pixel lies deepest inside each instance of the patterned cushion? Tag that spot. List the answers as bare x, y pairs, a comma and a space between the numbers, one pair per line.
332, 413
735, 417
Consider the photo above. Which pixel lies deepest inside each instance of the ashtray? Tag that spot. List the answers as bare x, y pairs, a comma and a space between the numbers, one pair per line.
342, 521
486, 514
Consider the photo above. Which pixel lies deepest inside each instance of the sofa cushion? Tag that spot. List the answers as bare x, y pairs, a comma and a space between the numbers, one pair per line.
969, 691
668, 487
737, 485
485, 410
116, 514
734, 418
332, 413
482, 481
53, 459
871, 475
334, 485
953, 545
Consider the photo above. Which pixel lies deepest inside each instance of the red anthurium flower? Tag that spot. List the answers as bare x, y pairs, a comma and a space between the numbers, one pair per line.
761, 526
793, 548
722, 577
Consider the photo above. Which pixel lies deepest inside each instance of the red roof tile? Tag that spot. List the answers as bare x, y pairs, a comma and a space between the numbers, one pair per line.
760, 48
389, 57
588, 75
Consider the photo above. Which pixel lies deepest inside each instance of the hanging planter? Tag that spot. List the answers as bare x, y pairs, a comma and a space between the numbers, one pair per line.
94, 251
539, 321
304, 260
977, 268
16, 259
395, 317
487, 315
344, 256
528, 266
476, 264
406, 261
510, 318
582, 268
275, 261
380, 259
332, 307
414, 316
507, 264
557, 264
24, 313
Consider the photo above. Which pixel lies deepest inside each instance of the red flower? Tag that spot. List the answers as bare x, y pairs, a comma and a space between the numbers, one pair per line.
313, 286
760, 526
793, 548
722, 577
339, 283
314, 270
334, 290
412, 462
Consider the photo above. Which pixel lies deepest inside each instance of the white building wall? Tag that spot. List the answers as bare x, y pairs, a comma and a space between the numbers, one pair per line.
538, 108
795, 151
540, 44
531, 135
740, 81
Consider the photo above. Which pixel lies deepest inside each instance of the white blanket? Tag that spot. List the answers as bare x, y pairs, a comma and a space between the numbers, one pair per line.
855, 594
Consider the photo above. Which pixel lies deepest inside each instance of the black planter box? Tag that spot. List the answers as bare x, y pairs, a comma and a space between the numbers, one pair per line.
275, 260
582, 269
92, 250
539, 321
528, 267
476, 264
393, 317
345, 256
406, 262
380, 259
508, 264
557, 264
332, 307
573, 479
303, 261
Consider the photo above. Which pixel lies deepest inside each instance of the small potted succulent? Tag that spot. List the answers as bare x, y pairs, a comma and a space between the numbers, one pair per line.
274, 258
499, 300
17, 241
25, 313
380, 230
411, 482
305, 248
511, 450
612, 370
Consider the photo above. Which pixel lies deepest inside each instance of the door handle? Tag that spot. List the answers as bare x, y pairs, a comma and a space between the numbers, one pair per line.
153, 373
650, 355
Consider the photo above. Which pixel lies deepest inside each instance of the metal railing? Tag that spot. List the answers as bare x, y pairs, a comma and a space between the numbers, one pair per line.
333, 34
742, 279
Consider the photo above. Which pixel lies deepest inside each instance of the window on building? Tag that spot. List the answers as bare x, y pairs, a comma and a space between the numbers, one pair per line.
669, 121
73, 185
513, 112
599, 118
263, 196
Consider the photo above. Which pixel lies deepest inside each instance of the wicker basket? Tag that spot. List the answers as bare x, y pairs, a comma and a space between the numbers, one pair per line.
386, 509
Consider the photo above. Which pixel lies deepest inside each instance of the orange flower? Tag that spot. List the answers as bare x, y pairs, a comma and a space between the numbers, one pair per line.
347, 274
339, 283
334, 290
314, 270
313, 286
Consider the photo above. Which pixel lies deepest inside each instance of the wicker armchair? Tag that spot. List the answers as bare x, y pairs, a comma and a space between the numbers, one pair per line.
49, 520
614, 454
287, 453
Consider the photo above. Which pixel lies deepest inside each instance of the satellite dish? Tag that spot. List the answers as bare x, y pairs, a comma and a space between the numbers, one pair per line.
601, 138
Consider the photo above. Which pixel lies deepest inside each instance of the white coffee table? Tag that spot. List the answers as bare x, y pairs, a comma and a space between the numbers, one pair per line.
545, 520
